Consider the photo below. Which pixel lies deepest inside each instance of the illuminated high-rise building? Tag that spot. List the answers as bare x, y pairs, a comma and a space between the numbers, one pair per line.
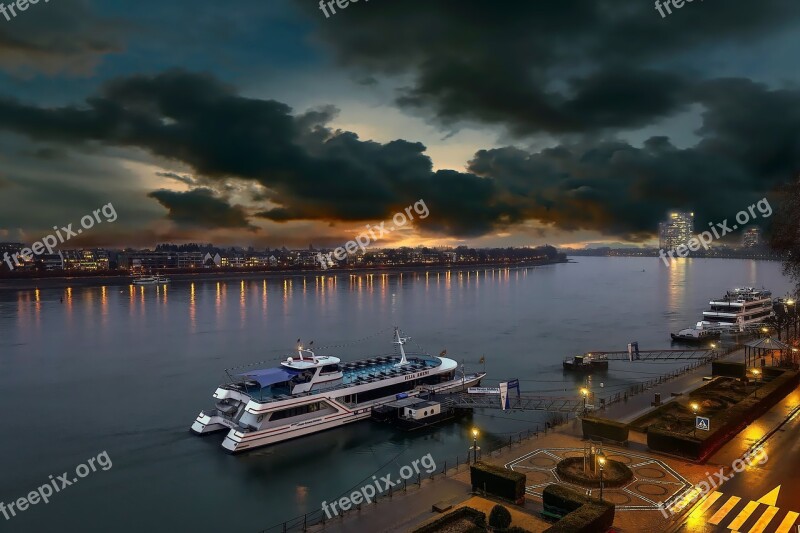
751, 238
676, 230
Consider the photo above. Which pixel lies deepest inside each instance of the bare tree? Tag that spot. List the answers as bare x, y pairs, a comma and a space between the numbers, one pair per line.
786, 231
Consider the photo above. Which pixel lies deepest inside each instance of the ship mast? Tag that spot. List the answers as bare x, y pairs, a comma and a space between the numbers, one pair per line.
400, 341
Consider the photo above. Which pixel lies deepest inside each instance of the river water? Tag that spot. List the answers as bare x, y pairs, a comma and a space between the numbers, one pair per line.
125, 370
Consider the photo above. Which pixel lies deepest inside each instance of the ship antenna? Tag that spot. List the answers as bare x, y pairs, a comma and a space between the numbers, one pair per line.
400, 341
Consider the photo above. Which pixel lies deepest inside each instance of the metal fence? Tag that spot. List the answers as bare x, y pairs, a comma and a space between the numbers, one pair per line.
317, 520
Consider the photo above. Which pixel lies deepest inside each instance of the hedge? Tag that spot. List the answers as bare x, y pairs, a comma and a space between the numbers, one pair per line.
498, 481
728, 369
466, 513
582, 514
602, 428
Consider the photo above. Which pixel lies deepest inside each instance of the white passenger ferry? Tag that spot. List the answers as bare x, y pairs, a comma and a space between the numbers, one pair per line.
741, 309
312, 393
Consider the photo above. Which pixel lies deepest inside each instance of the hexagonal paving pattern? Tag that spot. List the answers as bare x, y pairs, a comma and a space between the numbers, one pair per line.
653, 481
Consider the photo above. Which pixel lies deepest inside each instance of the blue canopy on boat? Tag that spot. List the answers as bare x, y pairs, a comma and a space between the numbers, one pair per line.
270, 376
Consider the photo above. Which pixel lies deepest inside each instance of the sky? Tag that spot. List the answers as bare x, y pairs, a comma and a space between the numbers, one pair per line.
279, 124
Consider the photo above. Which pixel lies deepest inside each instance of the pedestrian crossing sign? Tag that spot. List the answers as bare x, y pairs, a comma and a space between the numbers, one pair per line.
701, 422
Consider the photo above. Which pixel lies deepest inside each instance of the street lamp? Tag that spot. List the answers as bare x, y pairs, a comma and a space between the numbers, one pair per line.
601, 458
695, 409
756, 373
474, 445
584, 393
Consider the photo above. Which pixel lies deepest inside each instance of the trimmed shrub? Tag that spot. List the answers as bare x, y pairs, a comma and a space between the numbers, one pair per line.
602, 428
463, 513
499, 517
728, 369
497, 481
582, 514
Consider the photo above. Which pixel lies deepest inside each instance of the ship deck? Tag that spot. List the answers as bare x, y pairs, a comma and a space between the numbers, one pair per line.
354, 373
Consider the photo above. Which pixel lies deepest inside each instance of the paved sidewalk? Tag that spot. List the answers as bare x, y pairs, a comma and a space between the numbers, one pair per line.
637, 405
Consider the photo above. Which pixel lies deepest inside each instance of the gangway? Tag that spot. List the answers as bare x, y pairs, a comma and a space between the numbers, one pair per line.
524, 402
657, 355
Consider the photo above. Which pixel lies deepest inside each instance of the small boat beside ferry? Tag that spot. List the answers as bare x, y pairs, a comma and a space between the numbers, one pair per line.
311, 393
695, 336
585, 363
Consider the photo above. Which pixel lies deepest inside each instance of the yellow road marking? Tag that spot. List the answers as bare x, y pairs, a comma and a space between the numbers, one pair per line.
706, 505
771, 498
788, 522
743, 515
724, 510
765, 519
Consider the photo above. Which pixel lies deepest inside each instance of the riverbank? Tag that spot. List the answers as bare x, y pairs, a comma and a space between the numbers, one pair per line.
28, 283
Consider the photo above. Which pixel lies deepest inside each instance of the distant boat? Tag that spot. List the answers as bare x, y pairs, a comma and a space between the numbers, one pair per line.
151, 280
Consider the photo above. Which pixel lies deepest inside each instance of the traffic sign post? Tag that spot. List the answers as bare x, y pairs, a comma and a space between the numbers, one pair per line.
702, 422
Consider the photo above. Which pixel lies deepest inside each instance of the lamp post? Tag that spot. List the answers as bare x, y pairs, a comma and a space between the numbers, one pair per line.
601, 458
756, 373
695, 409
584, 393
474, 445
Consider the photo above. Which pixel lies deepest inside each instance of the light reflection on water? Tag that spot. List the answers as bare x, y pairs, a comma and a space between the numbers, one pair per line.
127, 369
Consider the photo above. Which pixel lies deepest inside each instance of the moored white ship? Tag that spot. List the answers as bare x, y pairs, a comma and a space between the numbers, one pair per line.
312, 393
740, 310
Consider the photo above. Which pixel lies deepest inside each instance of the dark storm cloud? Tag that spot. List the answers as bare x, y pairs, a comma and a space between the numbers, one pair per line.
556, 67
750, 145
182, 178
55, 37
308, 171
201, 208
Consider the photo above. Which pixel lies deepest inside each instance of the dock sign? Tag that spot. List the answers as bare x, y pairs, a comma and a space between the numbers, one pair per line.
701, 422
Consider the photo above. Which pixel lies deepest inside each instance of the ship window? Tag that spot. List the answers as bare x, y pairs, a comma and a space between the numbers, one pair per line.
327, 369
296, 411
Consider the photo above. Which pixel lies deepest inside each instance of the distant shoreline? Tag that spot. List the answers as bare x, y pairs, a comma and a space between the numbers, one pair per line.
125, 279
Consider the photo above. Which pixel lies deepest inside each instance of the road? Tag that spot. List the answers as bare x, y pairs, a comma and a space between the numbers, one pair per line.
761, 498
